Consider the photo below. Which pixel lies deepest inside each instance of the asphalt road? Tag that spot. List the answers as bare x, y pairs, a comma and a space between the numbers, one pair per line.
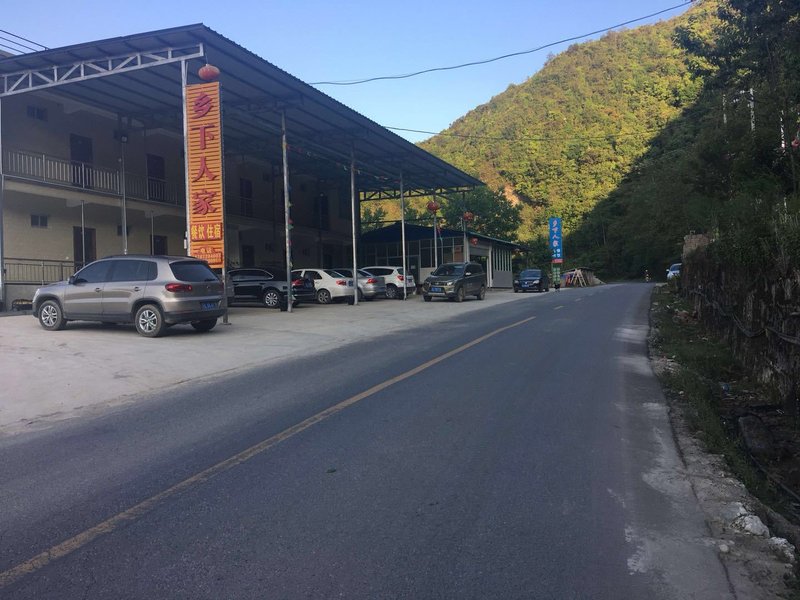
519, 452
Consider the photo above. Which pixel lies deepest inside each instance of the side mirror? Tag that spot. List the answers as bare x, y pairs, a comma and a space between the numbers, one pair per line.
71, 280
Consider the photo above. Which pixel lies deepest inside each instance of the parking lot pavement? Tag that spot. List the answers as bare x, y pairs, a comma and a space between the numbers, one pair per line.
49, 376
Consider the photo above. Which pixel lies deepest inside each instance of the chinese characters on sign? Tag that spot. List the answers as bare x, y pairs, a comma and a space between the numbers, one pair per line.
204, 205
554, 234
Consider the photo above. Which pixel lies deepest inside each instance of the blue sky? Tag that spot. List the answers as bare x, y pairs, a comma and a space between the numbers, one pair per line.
318, 40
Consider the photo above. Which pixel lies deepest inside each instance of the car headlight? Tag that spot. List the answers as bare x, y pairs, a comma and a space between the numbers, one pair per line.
516, 282
535, 281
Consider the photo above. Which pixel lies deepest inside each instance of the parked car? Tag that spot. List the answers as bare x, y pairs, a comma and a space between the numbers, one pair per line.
533, 280
674, 271
330, 285
455, 281
370, 286
152, 292
395, 280
268, 285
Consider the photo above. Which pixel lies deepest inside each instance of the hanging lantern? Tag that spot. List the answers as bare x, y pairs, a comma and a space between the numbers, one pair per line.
469, 217
433, 206
473, 241
208, 72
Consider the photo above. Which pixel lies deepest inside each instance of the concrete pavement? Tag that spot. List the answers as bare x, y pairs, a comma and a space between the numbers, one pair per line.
88, 367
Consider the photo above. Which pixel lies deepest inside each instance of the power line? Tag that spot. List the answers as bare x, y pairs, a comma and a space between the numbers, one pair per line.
16, 43
19, 37
524, 138
504, 56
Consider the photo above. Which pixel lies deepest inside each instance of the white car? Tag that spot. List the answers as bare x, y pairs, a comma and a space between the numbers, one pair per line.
674, 271
369, 286
395, 280
330, 285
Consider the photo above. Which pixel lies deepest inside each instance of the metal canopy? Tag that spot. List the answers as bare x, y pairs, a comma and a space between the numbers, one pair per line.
146, 89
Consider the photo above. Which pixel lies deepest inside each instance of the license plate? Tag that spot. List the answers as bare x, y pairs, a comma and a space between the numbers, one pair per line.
436, 289
208, 305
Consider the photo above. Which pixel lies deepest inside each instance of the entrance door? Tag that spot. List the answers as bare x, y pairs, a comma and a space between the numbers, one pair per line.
83, 241
82, 157
156, 178
248, 256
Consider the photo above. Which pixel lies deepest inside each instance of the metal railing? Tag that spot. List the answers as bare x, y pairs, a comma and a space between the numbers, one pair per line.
75, 174
30, 270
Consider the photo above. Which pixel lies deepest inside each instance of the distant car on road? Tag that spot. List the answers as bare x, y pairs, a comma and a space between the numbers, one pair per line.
370, 286
674, 271
454, 281
330, 285
532, 280
152, 292
268, 285
395, 279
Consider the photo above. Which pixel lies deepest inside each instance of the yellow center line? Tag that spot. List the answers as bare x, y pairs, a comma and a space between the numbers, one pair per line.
112, 524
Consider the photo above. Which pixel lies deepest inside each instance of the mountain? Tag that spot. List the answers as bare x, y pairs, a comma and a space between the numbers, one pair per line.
598, 137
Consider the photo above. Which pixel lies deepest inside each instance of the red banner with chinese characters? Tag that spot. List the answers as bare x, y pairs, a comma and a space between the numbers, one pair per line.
206, 223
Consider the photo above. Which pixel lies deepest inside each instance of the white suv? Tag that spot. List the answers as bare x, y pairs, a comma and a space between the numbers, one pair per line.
395, 279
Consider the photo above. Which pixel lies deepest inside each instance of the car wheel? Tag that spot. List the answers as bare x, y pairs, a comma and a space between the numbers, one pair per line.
427, 298
360, 296
271, 298
149, 321
482, 293
50, 316
460, 294
516, 291
324, 296
391, 292
204, 325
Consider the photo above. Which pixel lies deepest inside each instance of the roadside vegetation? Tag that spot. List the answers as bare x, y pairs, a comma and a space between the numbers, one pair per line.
713, 391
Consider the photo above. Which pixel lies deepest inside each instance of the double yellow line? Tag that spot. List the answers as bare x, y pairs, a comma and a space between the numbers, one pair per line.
112, 524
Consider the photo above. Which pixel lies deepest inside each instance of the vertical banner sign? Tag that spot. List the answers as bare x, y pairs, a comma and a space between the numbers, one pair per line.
554, 233
204, 205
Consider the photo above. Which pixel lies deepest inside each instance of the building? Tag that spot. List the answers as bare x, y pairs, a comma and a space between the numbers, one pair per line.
384, 247
93, 141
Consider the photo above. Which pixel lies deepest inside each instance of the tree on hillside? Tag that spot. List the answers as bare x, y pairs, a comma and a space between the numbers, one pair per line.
494, 214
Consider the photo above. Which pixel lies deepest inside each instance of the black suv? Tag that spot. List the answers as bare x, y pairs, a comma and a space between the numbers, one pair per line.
268, 286
534, 280
454, 281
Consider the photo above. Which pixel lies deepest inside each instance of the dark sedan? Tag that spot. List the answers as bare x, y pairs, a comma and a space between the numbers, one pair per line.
532, 280
268, 286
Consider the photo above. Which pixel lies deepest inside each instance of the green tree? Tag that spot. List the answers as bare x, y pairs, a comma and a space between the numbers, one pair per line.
494, 215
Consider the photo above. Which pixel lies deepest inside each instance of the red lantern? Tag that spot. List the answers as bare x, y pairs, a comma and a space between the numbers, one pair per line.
473, 241
433, 206
469, 217
208, 72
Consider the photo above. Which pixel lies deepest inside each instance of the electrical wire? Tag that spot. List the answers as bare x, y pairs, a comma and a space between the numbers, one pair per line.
504, 56
42, 46
16, 43
523, 138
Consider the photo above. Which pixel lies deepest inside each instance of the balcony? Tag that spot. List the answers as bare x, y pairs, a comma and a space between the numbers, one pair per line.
67, 173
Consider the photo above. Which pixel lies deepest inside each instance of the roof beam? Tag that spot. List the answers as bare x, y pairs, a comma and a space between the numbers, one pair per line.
56, 75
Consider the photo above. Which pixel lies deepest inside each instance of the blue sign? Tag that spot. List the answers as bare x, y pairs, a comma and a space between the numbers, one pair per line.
554, 234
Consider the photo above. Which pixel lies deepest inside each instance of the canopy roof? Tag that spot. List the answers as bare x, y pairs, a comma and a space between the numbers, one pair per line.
138, 77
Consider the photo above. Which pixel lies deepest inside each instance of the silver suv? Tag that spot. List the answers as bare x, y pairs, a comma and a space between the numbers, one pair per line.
454, 281
152, 292
395, 279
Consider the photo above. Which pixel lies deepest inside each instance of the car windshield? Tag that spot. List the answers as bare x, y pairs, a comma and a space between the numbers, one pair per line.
446, 270
531, 273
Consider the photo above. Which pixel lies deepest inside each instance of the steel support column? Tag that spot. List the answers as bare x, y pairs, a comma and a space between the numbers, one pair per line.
353, 214
286, 206
187, 245
403, 237
2, 210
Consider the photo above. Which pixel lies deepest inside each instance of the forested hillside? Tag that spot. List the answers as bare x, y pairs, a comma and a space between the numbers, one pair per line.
640, 137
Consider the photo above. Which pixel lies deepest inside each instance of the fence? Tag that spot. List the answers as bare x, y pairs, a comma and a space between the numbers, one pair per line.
26, 270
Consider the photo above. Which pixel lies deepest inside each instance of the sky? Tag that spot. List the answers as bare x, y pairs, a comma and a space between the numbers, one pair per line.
330, 40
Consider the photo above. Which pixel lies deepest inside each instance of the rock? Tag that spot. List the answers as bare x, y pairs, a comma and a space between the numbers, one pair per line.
757, 437
724, 548
783, 549
751, 524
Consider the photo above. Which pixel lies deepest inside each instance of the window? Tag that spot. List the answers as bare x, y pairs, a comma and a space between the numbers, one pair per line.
190, 270
37, 112
39, 221
94, 273
133, 270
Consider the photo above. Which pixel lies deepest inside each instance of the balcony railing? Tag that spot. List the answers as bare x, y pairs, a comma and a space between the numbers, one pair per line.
28, 270
73, 174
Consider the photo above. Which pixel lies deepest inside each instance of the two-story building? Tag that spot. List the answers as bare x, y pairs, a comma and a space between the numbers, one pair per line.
93, 147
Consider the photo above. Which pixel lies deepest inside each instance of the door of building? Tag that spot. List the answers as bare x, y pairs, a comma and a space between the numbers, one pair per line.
248, 256
84, 247
82, 157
